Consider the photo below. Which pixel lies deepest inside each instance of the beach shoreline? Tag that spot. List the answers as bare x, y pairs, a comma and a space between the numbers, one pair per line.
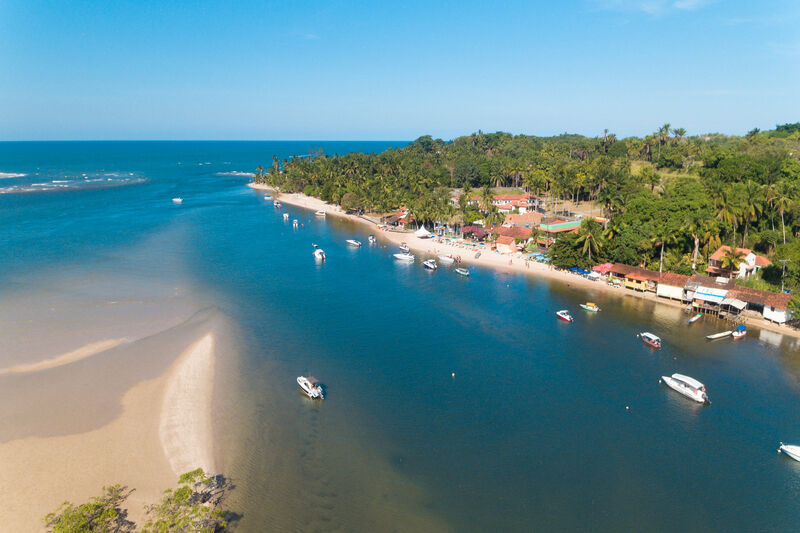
491, 259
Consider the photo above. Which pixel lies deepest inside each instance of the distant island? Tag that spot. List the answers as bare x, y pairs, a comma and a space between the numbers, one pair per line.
667, 202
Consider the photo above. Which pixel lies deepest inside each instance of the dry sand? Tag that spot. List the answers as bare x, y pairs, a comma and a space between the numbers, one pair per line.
64, 359
163, 430
493, 259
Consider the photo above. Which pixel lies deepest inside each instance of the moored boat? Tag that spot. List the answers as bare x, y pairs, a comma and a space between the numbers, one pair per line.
719, 335
286, 216
404, 257
650, 339
354, 243
447, 259
319, 213
177, 200
311, 387
267, 197
791, 450
695, 318
294, 223
430, 264
372, 239
689, 387
319, 254
564, 315
590, 306
462, 272
739, 332
404, 248
277, 204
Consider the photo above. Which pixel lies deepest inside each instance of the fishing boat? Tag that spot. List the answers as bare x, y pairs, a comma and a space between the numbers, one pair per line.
689, 387
311, 387
447, 259
739, 332
719, 335
650, 339
319, 254
462, 272
319, 213
372, 239
286, 216
695, 318
591, 306
354, 243
564, 315
404, 248
430, 264
404, 257
791, 450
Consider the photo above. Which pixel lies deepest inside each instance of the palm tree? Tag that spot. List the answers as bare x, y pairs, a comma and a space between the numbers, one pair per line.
696, 225
731, 259
783, 201
587, 236
752, 205
487, 198
663, 236
727, 210
678, 133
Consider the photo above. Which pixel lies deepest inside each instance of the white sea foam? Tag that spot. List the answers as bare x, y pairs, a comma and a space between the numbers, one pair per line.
6, 175
236, 173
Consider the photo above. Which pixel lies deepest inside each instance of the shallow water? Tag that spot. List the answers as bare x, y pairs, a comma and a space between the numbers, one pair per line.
531, 432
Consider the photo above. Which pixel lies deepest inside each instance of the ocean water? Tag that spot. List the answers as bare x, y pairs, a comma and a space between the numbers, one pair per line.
452, 404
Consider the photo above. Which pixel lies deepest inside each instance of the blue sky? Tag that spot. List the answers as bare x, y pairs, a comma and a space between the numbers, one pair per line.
375, 70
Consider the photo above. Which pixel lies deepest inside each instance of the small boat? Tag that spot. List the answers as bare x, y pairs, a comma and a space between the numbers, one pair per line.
372, 239
430, 264
319, 213
177, 200
689, 387
695, 318
564, 315
650, 339
791, 450
277, 204
315, 245
404, 248
310, 386
267, 197
286, 216
353, 242
404, 257
294, 223
716, 336
739, 332
447, 259
319, 254
590, 306
462, 272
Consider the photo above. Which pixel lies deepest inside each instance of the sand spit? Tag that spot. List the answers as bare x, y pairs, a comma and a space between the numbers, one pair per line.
83, 352
491, 259
185, 425
164, 429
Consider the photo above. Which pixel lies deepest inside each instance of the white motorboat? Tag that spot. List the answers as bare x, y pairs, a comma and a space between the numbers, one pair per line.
319, 213
276, 203
353, 242
689, 387
294, 223
650, 339
267, 197
372, 239
319, 254
447, 259
739, 332
430, 264
311, 387
719, 335
564, 315
791, 450
462, 272
404, 248
404, 257
177, 200
286, 216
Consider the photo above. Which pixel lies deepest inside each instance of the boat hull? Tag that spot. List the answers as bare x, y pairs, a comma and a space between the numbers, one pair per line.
675, 385
790, 450
564, 316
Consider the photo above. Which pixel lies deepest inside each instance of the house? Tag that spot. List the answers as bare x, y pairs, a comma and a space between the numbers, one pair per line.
671, 286
506, 203
750, 264
528, 219
631, 277
773, 306
506, 245
516, 232
554, 226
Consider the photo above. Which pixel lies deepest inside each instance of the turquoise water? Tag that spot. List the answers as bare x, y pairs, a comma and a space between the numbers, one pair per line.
532, 431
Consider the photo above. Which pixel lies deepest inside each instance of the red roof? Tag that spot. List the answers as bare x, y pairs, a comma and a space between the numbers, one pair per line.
605, 267
517, 232
505, 240
762, 261
675, 280
716, 256
531, 218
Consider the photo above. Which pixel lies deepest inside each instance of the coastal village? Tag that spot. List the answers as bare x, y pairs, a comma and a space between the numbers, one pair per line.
528, 231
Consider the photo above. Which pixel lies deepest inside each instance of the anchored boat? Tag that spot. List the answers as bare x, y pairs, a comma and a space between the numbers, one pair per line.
177, 200
430, 264
791, 450
404, 257
319, 213
462, 272
354, 243
447, 259
564, 315
590, 306
404, 248
650, 339
739, 332
319, 254
719, 335
311, 387
372, 239
689, 387
695, 318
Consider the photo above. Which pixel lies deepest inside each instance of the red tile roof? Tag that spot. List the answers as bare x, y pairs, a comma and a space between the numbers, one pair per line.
716, 256
531, 218
505, 240
675, 280
762, 261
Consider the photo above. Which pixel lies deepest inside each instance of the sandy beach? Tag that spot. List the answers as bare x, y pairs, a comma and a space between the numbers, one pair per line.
492, 259
163, 429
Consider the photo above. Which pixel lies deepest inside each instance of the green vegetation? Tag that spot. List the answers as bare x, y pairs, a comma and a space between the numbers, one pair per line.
192, 507
669, 200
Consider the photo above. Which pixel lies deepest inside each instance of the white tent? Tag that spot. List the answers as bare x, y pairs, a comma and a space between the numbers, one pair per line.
422, 233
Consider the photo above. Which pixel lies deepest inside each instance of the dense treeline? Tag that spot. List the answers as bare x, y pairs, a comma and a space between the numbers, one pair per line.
670, 200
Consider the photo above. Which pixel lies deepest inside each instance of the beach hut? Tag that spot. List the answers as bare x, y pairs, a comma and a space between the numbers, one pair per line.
506, 245
672, 286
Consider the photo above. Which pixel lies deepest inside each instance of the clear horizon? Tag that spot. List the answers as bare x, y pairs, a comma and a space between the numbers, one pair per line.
268, 71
